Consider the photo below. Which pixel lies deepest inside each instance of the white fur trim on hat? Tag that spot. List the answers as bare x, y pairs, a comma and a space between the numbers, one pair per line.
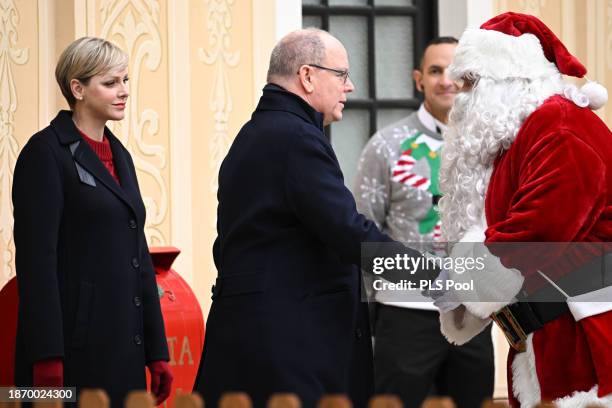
590, 94
495, 55
596, 93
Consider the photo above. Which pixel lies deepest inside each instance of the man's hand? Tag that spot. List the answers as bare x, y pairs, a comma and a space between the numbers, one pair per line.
48, 373
443, 299
161, 380
439, 282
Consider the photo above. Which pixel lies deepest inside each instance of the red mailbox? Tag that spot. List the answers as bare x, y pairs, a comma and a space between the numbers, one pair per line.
182, 318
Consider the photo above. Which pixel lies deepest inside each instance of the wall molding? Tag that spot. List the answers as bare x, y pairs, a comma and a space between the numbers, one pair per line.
181, 233
218, 21
10, 55
136, 24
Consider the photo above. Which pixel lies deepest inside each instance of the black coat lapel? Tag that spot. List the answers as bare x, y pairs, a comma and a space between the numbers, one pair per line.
123, 167
67, 134
88, 159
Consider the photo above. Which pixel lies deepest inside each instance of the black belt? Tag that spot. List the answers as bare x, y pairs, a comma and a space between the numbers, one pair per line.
520, 319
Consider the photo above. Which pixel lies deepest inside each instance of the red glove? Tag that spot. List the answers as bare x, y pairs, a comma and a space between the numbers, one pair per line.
161, 380
48, 373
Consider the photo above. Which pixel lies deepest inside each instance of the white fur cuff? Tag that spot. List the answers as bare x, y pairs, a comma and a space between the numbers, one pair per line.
494, 285
591, 303
461, 332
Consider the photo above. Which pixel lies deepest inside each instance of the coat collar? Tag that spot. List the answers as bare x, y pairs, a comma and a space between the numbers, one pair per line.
276, 98
67, 133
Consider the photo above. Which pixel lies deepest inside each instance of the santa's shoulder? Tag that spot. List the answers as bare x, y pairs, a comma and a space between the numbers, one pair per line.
562, 109
558, 114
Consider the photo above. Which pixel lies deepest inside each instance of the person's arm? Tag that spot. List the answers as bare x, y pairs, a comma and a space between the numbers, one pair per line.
38, 202
316, 193
372, 184
156, 345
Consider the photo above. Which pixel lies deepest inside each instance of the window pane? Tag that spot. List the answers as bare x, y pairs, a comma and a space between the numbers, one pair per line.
394, 53
304, 2
352, 31
311, 21
348, 2
386, 117
349, 136
393, 2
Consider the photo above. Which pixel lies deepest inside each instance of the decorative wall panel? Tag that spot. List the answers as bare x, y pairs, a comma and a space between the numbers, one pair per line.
12, 54
220, 55
137, 26
221, 102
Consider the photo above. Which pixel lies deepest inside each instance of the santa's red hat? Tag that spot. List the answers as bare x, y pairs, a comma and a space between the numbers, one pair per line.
514, 45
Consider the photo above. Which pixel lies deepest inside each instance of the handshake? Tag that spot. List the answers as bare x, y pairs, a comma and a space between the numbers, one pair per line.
441, 292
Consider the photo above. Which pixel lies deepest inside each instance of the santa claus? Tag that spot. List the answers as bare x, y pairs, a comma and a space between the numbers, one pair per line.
526, 160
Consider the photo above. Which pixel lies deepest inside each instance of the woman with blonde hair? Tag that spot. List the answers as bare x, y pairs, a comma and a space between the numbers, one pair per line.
89, 312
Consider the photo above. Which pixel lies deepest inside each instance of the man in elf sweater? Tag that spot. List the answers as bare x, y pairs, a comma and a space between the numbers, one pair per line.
397, 187
526, 160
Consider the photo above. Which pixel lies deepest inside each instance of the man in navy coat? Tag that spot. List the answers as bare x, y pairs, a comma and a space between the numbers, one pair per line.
286, 313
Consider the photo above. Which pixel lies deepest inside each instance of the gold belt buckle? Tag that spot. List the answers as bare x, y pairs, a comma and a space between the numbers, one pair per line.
512, 329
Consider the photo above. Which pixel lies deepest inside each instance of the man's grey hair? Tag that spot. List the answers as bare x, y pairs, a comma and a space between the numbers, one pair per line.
296, 49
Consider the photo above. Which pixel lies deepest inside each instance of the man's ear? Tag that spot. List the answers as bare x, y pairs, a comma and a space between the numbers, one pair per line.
417, 76
305, 75
77, 89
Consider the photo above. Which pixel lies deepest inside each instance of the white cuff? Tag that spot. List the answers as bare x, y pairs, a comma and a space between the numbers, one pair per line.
591, 303
468, 328
494, 285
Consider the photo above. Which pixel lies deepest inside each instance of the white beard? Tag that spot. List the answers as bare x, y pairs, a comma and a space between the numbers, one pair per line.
483, 123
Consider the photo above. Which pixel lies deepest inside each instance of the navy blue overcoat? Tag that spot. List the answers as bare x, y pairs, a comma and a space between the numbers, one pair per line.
286, 314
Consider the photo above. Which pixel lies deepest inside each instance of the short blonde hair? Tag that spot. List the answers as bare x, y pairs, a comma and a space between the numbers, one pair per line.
84, 58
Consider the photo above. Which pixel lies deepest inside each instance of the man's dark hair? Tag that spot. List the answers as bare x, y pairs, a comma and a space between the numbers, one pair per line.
436, 41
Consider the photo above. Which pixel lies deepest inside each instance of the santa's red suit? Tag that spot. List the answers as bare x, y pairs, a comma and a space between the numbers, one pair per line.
551, 182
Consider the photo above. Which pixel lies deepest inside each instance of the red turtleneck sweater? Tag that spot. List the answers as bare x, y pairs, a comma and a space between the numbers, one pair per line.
104, 152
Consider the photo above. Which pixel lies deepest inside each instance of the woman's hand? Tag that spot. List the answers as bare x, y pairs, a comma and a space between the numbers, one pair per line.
48, 373
161, 380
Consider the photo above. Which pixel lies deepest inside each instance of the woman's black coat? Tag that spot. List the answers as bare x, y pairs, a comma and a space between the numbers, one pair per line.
86, 282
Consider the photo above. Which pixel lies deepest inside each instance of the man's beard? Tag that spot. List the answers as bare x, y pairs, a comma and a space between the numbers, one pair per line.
483, 123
